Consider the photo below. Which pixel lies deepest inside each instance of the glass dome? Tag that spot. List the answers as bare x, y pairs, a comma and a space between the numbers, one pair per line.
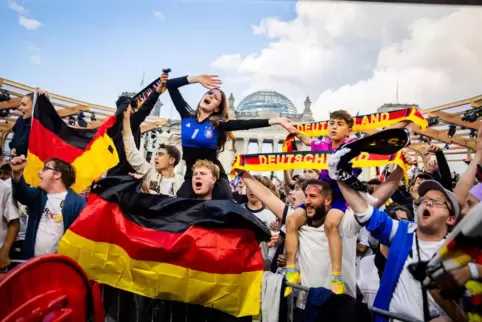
266, 101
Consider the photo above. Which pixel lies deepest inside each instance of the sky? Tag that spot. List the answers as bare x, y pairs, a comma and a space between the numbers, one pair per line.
343, 55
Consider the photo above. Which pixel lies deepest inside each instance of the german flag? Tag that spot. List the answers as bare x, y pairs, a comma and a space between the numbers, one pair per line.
185, 250
90, 151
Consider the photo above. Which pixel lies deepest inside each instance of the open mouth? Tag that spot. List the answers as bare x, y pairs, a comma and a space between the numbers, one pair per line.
198, 185
207, 100
426, 213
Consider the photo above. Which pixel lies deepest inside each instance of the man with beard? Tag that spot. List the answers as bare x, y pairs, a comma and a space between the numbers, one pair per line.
313, 242
313, 267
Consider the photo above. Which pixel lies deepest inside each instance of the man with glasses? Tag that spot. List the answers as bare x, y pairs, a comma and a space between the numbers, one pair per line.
409, 243
52, 206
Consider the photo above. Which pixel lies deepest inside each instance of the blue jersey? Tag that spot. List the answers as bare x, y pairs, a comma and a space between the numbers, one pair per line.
200, 139
199, 135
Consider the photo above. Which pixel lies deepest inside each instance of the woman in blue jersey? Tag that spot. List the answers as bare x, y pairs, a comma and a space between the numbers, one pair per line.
205, 131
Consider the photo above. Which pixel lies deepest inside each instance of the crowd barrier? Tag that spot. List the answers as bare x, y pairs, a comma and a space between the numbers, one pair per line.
122, 306
291, 306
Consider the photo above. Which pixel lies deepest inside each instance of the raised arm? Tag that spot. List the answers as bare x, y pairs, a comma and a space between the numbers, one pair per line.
466, 181
391, 184
180, 104
140, 116
133, 155
444, 169
306, 140
288, 178
208, 81
22, 192
235, 125
378, 223
264, 195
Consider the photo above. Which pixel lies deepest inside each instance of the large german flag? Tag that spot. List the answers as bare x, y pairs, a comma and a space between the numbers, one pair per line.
186, 250
90, 151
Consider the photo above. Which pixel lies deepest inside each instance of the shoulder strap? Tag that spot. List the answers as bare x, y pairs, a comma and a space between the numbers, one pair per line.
285, 214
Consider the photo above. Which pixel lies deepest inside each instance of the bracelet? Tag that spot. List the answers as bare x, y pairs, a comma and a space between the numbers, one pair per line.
473, 271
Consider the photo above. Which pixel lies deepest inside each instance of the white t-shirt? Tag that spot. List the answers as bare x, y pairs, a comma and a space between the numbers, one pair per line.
407, 298
263, 214
368, 280
8, 211
313, 256
51, 227
267, 217
160, 185
22, 211
366, 239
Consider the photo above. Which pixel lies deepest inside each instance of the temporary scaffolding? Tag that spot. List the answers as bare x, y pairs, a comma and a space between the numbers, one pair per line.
92, 114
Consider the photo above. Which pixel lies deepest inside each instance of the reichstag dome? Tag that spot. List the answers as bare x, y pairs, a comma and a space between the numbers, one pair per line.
265, 102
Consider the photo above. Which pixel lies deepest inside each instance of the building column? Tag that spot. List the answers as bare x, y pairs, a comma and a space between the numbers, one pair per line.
275, 144
245, 146
260, 145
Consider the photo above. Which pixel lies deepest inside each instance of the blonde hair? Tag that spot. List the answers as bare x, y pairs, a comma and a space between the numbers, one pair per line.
208, 164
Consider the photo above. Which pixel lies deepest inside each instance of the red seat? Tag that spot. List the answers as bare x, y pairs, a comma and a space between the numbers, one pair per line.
49, 288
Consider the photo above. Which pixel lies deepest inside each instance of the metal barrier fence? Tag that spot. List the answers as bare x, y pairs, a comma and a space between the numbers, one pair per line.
388, 314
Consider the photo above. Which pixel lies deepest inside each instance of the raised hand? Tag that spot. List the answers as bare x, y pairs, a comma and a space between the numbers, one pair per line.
407, 158
161, 88
284, 122
18, 164
210, 81
136, 176
42, 92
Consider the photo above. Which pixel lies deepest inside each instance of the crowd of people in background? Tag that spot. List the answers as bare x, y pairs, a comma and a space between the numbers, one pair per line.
324, 234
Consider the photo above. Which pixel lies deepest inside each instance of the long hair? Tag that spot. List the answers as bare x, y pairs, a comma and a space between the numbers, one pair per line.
221, 116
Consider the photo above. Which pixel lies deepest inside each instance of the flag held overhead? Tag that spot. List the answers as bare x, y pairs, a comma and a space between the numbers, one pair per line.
90, 151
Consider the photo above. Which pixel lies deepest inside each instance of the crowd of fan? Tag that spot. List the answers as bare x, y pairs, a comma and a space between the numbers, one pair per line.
296, 210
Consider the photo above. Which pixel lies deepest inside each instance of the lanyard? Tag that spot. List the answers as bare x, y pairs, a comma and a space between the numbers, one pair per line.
426, 313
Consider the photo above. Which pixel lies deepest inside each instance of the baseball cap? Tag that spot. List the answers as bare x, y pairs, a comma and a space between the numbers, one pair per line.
429, 185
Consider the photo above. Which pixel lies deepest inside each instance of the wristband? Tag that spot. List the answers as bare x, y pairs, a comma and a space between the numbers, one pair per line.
291, 268
473, 271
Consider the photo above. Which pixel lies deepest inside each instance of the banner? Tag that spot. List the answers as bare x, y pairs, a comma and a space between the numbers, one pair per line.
185, 250
362, 123
149, 89
146, 91
90, 151
308, 160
